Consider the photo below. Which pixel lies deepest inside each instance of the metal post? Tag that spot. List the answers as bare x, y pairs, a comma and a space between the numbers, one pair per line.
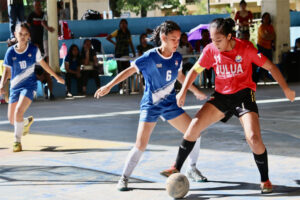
208, 6
53, 37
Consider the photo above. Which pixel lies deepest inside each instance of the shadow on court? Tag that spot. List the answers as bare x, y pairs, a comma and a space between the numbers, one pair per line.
279, 190
56, 175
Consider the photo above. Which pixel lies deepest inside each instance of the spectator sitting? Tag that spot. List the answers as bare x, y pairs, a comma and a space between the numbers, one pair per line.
143, 46
297, 45
243, 19
89, 66
72, 68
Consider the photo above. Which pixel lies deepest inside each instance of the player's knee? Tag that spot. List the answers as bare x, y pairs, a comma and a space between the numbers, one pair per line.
253, 138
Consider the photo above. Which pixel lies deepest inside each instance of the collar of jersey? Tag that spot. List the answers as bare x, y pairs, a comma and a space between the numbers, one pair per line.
21, 52
162, 55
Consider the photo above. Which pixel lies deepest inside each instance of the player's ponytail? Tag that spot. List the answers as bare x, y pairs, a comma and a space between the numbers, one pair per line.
223, 26
165, 28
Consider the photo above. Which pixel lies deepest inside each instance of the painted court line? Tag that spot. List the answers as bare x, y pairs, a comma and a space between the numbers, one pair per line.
134, 112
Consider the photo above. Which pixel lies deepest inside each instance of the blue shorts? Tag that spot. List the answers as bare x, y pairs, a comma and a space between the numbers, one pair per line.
15, 94
166, 112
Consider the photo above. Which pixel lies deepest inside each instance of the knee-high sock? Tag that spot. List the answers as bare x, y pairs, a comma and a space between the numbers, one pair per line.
19, 126
262, 165
184, 150
132, 160
193, 157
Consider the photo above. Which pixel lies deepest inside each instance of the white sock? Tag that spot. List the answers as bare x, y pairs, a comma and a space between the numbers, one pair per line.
193, 157
132, 160
19, 126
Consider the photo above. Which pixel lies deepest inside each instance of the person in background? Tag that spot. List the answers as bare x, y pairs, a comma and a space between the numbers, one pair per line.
72, 68
297, 45
265, 37
185, 48
89, 64
15, 13
122, 43
143, 46
243, 19
199, 46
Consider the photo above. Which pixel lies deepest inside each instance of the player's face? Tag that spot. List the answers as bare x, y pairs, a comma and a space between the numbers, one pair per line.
22, 35
172, 40
220, 41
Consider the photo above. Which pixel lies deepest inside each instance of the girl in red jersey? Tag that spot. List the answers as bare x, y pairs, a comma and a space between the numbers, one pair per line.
231, 60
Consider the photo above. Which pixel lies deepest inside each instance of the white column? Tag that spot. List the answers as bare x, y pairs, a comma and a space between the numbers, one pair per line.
53, 37
280, 14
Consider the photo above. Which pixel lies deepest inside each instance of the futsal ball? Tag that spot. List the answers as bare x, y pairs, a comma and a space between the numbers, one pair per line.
177, 185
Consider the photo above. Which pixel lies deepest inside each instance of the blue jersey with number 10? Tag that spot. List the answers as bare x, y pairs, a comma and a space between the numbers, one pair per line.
22, 66
160, 74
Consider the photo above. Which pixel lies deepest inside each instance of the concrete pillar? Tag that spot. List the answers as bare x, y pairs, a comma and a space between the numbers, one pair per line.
53, 37
280, 14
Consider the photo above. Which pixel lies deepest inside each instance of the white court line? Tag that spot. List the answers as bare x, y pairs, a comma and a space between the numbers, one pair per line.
134, 112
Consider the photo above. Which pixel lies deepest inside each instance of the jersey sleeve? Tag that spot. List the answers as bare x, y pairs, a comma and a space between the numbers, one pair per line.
206, 59
38, 56
114, 34
8, 59
141, 63
256, 57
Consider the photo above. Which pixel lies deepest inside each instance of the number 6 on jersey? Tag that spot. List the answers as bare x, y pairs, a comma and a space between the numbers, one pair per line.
169, 75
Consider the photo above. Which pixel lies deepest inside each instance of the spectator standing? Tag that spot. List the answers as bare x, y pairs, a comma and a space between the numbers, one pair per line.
89, 63
200, 44
15, 13
185, 48
37, 22
265, 37
122, 43
243, 19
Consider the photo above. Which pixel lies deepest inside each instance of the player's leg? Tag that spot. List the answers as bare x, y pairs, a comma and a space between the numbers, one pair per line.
181, 123
250, 123
23, 104
143, 135
206, 116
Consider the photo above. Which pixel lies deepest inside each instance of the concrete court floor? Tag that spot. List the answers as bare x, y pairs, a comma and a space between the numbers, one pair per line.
77, 149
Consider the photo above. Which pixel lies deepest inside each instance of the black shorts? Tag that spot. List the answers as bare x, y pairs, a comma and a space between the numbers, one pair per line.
236, 104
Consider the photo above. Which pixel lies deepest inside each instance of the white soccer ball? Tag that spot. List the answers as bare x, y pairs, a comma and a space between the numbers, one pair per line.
177, 185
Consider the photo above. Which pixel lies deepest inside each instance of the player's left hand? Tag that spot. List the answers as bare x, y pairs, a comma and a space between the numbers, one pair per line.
290, 94
60, 80
200, 95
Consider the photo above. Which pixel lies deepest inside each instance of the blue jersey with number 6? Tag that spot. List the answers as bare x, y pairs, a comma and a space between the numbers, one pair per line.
22, 66
160, 74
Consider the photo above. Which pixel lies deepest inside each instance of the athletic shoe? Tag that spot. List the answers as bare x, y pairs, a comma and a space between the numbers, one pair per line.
27, 126
17, 147
266, 187
123, 184
195, 175
169, 172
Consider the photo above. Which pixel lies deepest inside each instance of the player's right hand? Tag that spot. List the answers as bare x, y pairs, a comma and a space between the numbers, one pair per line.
290, 94
102, 92
180, 98
2, 90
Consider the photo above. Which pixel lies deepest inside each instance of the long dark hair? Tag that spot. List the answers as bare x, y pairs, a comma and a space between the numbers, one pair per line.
70, 53
165, 28
223, 26
181, 43
264, 15
126, 22
83, 50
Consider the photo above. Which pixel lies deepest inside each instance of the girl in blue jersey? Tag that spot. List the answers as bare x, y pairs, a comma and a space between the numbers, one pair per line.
19, 65
160, 67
